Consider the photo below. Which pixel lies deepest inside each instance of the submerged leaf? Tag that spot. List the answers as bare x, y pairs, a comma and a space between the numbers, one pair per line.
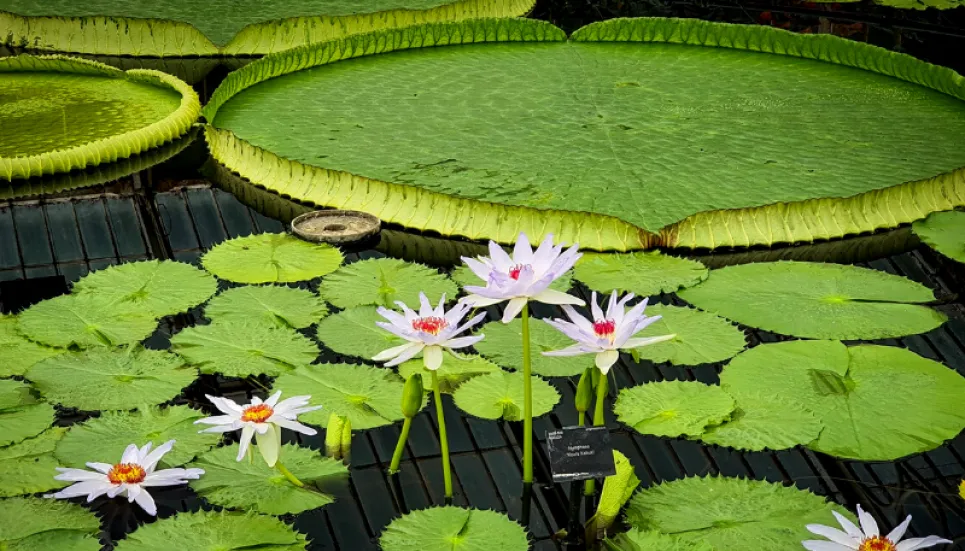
500, 395
111, 379
353, 332
503, 345
673, 408
271, 258
103, 439
382, 282
86, 321
254, 486
817, 301
731, 514
944, 232
702, 337
876, 403
242, 348
214, 530
368, 396
272, 304
19, 353
452, 373
29, 466
159, 288
20, 415
453, 529
644, 274
35, 524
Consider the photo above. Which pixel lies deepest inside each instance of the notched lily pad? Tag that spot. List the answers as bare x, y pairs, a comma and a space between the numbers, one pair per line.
702, 337
214, 530
353, 332
453, 529
273, 304
18, 352
86, 321
500, 395
382, 282
159, 288
644, 274
673, 408
36, 524
21, 416
242, 348
271, 258
944, 232
765, 420
29, 466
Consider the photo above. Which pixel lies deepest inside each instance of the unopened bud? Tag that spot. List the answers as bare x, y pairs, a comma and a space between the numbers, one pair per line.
338, 437
584, 391
413, 396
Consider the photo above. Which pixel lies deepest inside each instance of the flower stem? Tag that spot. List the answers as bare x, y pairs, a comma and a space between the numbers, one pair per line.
527, 402
601, 390
443, 439
288, 474
400, 446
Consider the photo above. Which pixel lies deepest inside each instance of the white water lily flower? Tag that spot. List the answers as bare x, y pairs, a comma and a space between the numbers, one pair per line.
867, 538
607, 333
262, 420
525, 276
129, 478
429, 331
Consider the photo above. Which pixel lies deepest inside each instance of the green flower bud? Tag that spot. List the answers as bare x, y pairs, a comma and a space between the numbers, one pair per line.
412, 396
584, 391
338, 437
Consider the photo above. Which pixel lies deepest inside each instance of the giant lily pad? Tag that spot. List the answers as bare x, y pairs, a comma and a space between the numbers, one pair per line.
453, 529
239, 27
254, 486
103, 439
817, 301
451, 373
383, 281
18, 353
665, 156
160, 288
944, 232
504, 345
242, 348
21, 416
731, 514
274, 304
644, 274
271, 258
60, 114
85, 321
673, 408
353, 332
112, 379
877, 403
368, 396
29, 466
214, 530
35, 524
701, 337
499, 395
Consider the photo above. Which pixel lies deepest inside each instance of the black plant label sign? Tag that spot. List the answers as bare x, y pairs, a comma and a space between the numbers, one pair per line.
580, 453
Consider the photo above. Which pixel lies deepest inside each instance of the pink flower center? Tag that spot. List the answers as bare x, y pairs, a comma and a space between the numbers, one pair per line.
431, 325
126, 473
877, 543
604, 328
516, 270
257, 414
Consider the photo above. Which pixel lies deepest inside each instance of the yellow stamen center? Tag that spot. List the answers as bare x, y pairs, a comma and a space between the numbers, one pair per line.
431, 325
257, 414
126, 473
877, 543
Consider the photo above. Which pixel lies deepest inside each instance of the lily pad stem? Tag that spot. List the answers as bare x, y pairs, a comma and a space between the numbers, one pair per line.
527, 402
400, 446
288, 474
443, 439
601, 390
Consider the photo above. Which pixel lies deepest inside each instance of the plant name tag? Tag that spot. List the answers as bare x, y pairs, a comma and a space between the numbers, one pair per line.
580, 453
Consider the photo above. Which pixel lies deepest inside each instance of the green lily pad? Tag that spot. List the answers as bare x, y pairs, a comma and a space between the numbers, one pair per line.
817, 301
242, 348
274, 304
876, 403
451, 374
254, 486
765, 421
731, 514
500, 395
368, 396
21, 416
271, 258
644, 274
453, 529
159, 288
215, 530
382, 282
504, 345
29, 466
18, 353
111, 379
673, 408
103, 439
463, 276
641, 540
944, 232
86, 321
35, 524
702, 337
353, 332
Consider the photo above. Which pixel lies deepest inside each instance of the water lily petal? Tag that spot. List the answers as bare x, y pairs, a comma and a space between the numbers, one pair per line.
921, 543
646, 341
269, 445
848, 526
575, 350
513, 308
462, 342
246, 434
145, 501
295, 426
606, 359
834, 535
500, 259
390, 353
432, 358
481, 269
77, 475
522, 251
150, 461
868, 524
899, 531
552, 296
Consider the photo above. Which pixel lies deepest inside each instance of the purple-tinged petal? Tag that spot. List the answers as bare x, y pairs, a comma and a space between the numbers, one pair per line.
522, 251
500, 258
914, 544
481, 269
462, 342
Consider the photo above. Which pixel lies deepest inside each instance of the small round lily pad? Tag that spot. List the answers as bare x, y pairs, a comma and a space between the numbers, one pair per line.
500, 395
382, 282
701, 337
504, 345
944, 232
274, 304
158, 287
643, 273
673, 408
85, 321
271, 258
453, 529
21, 416
242, 348
19, 353
353, 332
